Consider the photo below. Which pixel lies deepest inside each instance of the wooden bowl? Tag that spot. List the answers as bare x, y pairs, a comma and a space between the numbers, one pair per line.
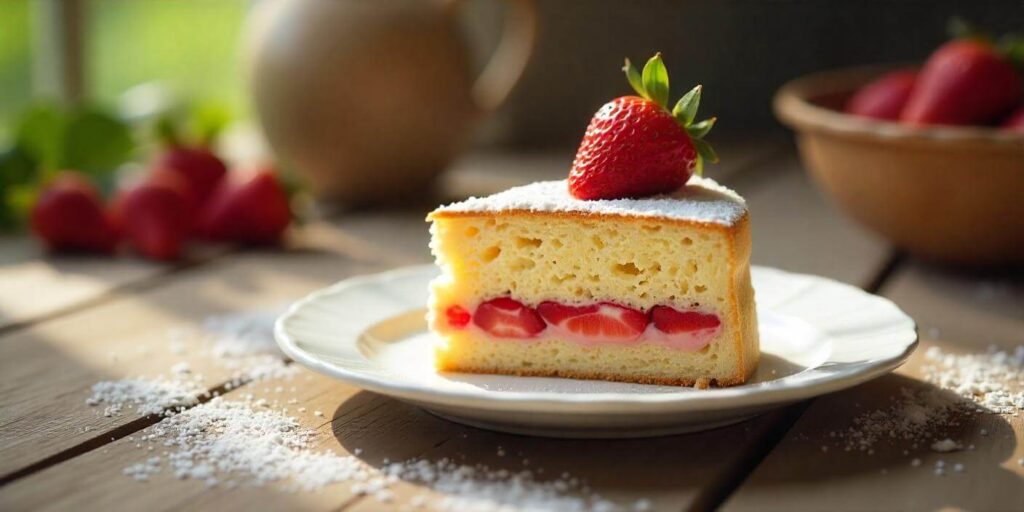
950, 194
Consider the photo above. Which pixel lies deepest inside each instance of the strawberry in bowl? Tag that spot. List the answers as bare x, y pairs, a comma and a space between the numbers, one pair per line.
932, 160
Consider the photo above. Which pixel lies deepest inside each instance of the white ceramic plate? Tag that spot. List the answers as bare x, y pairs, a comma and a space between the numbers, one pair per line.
817, 336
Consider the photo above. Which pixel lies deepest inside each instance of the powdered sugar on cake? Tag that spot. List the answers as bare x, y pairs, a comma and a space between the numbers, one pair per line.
701, 200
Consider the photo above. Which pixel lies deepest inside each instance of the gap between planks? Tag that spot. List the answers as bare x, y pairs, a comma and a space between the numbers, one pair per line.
118, 432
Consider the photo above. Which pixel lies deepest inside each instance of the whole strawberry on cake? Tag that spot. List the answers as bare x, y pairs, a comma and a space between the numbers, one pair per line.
635, 269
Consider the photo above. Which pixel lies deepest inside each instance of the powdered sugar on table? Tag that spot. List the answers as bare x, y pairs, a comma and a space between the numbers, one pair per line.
253, 442
702, 200
990, 382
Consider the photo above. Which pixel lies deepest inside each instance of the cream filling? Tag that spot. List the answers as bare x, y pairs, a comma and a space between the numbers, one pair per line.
690, 341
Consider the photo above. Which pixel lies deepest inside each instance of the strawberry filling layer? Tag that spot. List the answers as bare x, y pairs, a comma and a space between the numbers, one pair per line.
603, 323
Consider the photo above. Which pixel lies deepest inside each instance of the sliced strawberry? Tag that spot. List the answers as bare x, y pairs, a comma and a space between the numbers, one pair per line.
671, 321
507, 318
597, 322
457, 316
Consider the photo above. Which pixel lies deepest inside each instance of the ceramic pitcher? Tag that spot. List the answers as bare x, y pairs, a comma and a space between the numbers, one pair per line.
369, 100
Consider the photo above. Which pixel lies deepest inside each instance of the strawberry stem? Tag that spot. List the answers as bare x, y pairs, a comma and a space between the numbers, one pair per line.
652, 84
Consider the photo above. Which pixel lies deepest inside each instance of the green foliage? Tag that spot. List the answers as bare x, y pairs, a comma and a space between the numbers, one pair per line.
84, 139
48, 139
199, 123
95, 143
18, 173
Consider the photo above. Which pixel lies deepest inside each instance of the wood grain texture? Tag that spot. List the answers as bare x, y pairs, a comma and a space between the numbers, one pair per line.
97, 479
957, 312
33, 285
48, 369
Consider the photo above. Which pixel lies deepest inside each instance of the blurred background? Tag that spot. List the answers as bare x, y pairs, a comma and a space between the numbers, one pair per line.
741, 50
368, 102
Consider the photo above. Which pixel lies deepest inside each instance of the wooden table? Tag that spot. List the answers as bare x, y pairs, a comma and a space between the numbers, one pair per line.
66, 323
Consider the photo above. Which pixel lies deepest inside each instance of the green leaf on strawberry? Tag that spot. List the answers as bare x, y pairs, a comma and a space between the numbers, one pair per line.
635, 81
686, 108
652, 84
704, 153
699, 130
655, 80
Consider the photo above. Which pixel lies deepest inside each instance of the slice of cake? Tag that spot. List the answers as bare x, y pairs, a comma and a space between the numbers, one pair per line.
654, 290
631, 270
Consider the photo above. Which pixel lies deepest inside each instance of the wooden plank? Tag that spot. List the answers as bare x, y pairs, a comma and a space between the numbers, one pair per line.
958, 313
33, 286
97, 478
668, 471
48, 369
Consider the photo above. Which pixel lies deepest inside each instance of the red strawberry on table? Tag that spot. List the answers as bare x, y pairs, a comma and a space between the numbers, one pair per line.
964, 81
197, 164
508, 318
635, 146
598, 322
202, 169
247, 207
69, 216
884, 97
156, 215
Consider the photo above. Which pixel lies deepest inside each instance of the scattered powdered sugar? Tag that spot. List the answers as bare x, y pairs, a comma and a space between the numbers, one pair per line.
964, 384
701, 200
242, 343
146, 396
945, 445
247, 441
912, 417
243, 443
243, 334
994, 380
